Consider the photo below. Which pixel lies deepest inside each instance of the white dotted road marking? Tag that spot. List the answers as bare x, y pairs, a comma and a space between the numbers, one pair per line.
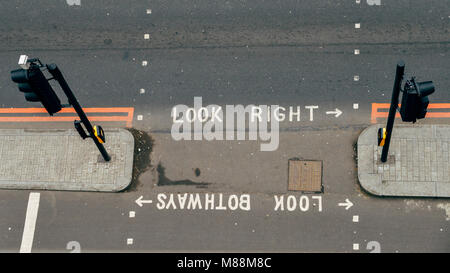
132, 214
355, 218
129, 241
355, 106
374, 2
30, 222
358, 25
73, 2
146, 36
355, 246
140, 117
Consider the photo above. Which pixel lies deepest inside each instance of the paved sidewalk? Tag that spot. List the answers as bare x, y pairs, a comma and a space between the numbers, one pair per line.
418, 161
62, 160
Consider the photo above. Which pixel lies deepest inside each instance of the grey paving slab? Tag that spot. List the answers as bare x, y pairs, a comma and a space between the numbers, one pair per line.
418, 161
62, 160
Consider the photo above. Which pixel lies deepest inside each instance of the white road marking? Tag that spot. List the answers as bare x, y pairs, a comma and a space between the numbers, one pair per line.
336, 113
374, 2
30, 222
348, 204
132, 214
355, 218
141, 202
73, 2
146, 36
311, 109
355, 106
355, 246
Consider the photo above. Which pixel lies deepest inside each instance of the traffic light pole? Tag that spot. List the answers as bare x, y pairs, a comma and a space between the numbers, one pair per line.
57, 75
393, 109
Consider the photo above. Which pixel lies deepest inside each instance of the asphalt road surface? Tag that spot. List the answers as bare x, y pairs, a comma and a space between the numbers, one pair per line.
318, 56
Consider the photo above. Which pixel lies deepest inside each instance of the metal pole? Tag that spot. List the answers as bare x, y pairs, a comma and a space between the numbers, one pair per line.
392, 111
56, 73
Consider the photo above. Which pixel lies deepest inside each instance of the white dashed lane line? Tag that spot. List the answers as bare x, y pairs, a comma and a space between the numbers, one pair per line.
30, 222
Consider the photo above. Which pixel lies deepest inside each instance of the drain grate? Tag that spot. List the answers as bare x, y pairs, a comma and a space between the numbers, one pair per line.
305, 175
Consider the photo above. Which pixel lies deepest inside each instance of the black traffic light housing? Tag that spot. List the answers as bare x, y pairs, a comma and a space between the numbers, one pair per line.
415, 99
33, 83
35, 86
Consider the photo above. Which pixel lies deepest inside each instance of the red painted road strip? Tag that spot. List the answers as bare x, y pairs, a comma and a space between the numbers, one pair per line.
376, 114
90, 113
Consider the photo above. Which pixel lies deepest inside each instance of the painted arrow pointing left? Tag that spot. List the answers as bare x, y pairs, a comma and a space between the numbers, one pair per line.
140, 201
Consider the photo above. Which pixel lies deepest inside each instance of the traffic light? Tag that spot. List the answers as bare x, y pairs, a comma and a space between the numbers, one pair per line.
36, 87
415, 99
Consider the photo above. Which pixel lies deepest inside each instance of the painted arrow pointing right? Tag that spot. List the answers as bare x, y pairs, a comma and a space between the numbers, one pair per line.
347, 204
336, 113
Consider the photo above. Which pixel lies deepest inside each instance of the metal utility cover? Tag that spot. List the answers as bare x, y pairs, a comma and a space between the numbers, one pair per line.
305, 175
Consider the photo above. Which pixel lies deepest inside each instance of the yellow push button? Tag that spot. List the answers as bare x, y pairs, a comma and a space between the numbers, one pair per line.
99, 134
381, 136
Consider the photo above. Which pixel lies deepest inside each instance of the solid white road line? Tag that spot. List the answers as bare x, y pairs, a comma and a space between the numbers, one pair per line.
30, 222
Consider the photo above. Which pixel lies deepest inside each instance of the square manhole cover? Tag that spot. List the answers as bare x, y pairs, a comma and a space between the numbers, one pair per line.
305, 175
